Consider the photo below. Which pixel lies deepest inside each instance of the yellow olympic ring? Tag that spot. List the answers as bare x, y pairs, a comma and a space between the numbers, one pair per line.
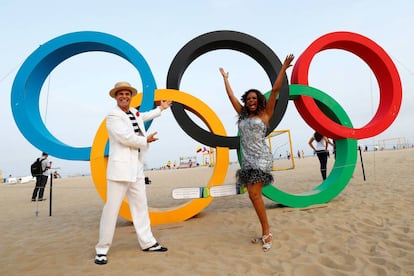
189, 209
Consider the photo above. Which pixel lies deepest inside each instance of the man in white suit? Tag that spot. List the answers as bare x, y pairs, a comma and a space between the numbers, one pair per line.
128, 144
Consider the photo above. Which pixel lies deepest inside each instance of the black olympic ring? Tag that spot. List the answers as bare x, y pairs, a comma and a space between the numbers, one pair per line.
230, 40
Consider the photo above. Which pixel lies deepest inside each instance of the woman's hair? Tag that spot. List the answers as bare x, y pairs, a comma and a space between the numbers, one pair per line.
261, 103
317, 136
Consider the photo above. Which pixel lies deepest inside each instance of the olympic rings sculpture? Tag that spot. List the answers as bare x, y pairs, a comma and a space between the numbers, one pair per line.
317, 108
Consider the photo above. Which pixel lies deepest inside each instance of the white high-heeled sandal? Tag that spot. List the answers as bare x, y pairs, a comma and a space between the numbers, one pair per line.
265, 245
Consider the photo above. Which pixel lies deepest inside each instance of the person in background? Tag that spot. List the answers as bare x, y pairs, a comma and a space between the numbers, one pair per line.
320, 148
41, 180
128, 144
257, 160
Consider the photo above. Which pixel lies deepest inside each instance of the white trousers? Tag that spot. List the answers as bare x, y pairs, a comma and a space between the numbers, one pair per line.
137, 199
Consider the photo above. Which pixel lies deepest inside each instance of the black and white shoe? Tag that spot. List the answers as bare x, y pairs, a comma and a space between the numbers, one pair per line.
156, 248
101, 259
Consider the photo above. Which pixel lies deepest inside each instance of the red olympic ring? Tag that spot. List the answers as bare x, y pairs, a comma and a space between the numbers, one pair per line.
383, 68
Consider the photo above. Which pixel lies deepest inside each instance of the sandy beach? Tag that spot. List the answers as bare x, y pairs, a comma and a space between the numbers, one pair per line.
367, 230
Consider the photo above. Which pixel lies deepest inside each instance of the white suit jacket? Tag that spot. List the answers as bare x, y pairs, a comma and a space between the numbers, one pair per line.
125, 162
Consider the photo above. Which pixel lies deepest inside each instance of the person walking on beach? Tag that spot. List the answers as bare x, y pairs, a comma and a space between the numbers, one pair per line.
41, 179
321, 150
253, 122
128, 144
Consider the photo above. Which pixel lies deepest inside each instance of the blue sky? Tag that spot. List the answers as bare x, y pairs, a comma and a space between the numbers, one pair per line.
74, 100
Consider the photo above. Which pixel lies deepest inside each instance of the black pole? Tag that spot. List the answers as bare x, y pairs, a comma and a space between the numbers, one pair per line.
362, 162
50, 195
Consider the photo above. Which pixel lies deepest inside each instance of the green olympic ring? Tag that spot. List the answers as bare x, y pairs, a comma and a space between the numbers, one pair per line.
345, 162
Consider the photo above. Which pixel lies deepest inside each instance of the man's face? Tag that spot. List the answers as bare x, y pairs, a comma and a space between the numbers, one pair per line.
123, 99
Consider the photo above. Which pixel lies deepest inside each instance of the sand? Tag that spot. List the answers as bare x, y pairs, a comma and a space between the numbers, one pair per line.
367, 230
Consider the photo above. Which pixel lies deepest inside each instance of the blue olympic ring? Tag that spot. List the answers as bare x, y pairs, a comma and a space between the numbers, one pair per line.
34, 71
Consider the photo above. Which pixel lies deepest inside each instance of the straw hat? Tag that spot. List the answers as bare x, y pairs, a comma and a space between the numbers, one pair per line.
122, 85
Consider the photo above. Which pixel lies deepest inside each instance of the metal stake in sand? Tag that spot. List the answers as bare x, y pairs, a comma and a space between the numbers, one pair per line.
362, 162
50, 194
50, 189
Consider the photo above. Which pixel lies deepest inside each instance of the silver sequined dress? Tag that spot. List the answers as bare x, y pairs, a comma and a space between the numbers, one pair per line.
257, 160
